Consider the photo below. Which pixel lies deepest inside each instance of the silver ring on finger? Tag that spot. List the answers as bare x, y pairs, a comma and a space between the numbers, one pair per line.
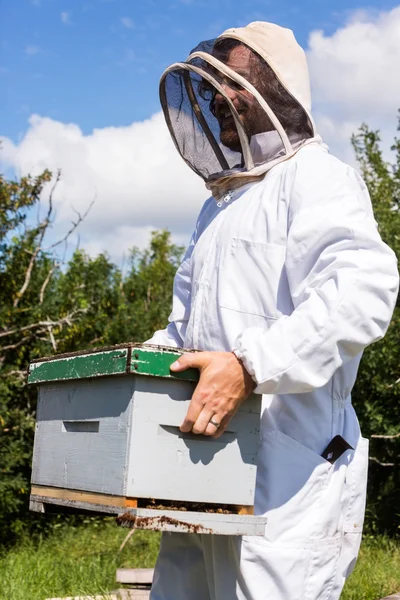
214, 423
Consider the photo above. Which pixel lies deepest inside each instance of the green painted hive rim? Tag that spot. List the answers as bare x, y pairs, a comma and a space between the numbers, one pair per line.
123, 359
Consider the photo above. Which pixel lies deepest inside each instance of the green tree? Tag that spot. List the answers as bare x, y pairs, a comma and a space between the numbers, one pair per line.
376, 396
48, 307
146, 290
30, 323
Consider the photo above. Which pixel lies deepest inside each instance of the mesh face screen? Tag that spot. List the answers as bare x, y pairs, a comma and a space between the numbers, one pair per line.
197, 130
198, 99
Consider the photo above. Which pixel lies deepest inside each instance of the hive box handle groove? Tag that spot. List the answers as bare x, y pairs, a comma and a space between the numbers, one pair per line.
80, 426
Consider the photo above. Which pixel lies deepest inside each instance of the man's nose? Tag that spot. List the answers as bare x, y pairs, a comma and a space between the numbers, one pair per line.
228, 92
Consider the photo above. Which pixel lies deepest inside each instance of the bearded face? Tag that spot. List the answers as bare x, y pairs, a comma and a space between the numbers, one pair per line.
252, 116
215, 122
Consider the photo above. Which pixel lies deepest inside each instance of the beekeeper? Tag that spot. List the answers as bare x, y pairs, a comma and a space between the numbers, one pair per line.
285, 282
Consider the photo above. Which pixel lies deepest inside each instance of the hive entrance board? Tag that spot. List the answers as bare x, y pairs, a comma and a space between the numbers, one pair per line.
107, 432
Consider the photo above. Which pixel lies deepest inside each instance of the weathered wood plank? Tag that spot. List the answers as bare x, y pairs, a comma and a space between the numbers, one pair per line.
91, 498
133, 595
112, 362
104, 597
147, 361
193, 522
77, 496
141, 359
135, 576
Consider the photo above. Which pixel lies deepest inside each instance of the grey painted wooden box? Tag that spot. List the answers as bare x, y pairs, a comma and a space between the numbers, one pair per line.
107, 440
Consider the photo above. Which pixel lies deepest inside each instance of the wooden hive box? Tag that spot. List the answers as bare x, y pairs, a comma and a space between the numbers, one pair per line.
107, 440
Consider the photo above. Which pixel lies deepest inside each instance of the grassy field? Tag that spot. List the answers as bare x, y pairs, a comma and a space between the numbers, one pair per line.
81, 561
73, 561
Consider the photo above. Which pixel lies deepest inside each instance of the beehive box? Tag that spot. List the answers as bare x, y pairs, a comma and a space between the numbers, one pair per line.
107, 440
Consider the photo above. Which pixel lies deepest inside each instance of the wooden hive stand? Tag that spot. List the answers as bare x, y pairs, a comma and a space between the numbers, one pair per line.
136, 582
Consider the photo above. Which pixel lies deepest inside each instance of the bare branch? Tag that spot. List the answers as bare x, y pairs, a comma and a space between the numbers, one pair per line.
386, 437
130, 534
28, 273
17, 373
395, 383
52, 340
44, 324
382, 464
74, 226
62, 261
45, 283
50, 210
95, 340
13, 346
121, 283
37, 329
43, 227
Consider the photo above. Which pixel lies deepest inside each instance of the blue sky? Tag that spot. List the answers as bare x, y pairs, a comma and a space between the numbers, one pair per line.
97, 62
79, 92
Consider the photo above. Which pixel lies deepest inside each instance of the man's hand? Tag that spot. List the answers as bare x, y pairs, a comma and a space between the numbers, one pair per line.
224, 384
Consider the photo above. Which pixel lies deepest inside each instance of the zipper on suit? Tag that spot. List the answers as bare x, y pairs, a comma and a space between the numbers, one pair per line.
200, 294
226, 198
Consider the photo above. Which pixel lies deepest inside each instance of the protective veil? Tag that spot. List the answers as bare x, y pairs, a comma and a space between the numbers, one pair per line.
289, 272
239, 104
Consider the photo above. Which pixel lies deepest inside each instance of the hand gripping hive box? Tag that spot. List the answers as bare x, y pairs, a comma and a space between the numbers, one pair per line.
107, 441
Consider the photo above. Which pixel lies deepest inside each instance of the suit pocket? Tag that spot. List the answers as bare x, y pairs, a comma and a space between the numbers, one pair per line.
290, 481
252, 273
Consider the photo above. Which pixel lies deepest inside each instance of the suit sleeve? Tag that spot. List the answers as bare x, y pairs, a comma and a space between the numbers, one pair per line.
343, 281
174, 334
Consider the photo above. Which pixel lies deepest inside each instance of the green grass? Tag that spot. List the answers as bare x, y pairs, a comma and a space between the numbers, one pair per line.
73, 561
83, 560
377, 573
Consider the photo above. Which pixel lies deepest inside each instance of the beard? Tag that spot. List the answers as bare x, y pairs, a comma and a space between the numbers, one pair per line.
229, 135
254, 121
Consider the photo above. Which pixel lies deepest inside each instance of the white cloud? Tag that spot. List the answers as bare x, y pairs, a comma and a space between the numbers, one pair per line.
138, 180
31, 50
127, 22
65, 17
355, 77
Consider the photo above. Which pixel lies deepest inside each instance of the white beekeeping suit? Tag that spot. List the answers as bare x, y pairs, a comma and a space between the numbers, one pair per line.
285, 268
